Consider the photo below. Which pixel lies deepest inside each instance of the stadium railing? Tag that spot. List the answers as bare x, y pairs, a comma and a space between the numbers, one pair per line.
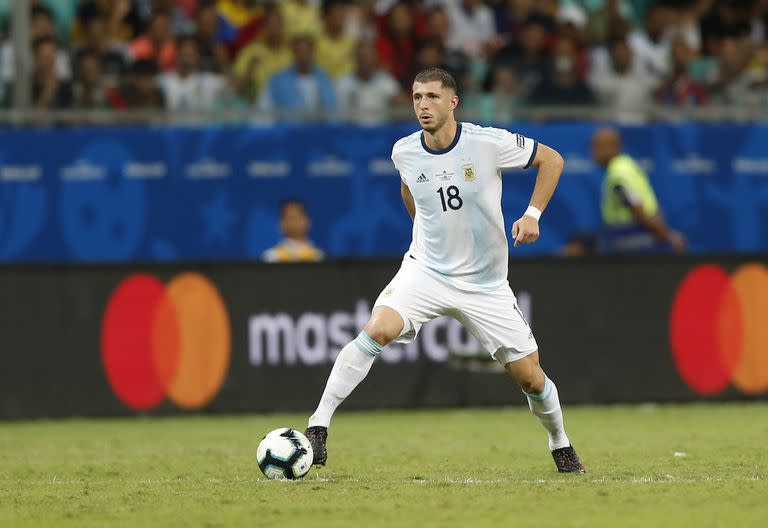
657, 113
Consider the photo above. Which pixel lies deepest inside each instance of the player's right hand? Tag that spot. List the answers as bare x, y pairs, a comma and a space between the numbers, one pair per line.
525, 230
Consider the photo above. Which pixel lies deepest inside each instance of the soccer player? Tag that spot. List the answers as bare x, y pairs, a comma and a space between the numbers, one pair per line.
457, 262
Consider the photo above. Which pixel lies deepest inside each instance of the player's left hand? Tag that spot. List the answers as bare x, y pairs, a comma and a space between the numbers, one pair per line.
525, 230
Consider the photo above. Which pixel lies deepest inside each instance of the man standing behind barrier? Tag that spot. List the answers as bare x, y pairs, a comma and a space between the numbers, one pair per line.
630, 211
296, 246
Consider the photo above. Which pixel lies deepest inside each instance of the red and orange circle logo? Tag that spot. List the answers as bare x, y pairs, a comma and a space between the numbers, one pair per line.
719, 329
161, 341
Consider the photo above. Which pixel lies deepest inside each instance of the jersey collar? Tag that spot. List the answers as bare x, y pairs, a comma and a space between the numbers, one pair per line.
447, 149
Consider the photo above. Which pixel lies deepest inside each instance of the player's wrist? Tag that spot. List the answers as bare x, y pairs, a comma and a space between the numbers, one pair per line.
533, 212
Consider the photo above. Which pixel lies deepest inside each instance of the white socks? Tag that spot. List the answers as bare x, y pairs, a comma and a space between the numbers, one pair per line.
355, 360
546, 406
351, 367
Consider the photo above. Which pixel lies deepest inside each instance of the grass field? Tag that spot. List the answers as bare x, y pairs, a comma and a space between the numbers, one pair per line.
692, 466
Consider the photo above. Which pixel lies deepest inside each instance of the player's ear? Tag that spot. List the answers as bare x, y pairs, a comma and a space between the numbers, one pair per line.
454, 102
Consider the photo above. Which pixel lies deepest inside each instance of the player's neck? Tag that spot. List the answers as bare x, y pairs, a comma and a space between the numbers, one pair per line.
442, 138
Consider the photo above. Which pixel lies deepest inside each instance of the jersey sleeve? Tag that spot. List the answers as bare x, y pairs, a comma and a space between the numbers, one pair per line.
396, 159
515, 150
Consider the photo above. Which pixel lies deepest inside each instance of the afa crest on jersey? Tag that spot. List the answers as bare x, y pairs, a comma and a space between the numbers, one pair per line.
469, 172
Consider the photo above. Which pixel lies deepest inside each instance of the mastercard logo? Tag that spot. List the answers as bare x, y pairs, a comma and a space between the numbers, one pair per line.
163, 341
719, 329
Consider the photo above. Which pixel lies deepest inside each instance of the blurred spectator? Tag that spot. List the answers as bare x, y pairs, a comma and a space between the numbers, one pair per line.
178, 10
725, 18
335, 51
360, 21
110, 53
157, 43
63, 16
366, 95
258, 61
122, 18
304, 16
607, 22
398, 43
234, 15
759, 72
625, 88
304, 87
48, 90
90, 91
511, 19
679, 87
213, 54
630, 211
650, 45
452, 61
570, 23
295, 246
527, 57
730, 82
686, 17
507, 95
562, 85
41, 27
140, 90
473, 28
189, 88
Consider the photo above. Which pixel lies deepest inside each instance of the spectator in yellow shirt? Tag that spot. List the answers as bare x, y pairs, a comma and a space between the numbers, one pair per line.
335, 50
258, 61
303, 16
296, 246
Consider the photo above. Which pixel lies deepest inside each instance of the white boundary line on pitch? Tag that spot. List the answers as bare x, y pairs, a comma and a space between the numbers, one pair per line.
664, 479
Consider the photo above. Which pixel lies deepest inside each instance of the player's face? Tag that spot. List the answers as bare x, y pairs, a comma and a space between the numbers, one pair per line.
433, 104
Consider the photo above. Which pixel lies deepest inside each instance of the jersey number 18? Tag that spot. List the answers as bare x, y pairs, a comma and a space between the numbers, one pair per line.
454, 200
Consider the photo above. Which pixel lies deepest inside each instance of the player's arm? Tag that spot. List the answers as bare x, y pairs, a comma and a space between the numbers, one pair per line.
550, 165
405, 192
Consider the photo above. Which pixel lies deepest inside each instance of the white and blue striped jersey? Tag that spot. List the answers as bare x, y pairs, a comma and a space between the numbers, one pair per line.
458, 231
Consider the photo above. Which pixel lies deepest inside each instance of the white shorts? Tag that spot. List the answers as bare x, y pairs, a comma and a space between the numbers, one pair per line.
493, 317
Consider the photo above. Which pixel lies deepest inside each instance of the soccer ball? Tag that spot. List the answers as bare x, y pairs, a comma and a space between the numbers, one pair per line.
284, 454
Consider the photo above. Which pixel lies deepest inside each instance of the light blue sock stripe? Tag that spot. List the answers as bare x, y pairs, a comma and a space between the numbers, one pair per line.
367, 345
543, 395
372, 343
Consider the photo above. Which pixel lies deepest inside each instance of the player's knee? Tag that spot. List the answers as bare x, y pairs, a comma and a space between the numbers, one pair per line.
380, 332
532, 384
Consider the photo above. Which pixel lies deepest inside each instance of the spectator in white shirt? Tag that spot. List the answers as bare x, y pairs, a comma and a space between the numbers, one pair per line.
624, 88
188, 88
42, 25
650, 45
365, 96
473, 28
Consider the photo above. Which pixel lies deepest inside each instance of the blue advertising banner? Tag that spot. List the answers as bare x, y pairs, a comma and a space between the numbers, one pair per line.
214, 193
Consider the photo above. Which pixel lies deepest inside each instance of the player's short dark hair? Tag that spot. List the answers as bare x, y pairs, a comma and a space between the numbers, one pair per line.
437, 74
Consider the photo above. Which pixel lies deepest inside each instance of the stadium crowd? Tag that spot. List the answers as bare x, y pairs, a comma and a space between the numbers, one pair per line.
357, 59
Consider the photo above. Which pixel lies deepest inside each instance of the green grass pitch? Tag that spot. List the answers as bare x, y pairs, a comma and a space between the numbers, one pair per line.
683, 465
